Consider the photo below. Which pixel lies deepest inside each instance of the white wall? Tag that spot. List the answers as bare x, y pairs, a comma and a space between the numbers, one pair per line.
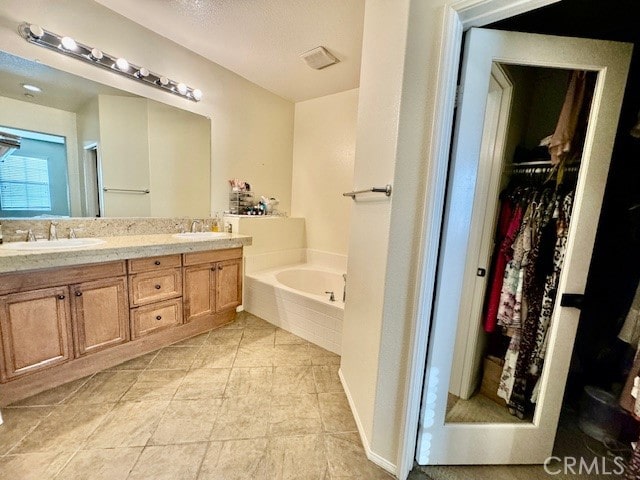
323, 154
27, 116
124, 151
252, 129
178, 146
401, 48
88, 121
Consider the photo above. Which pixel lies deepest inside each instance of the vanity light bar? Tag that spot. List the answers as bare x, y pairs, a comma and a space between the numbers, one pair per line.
68, 46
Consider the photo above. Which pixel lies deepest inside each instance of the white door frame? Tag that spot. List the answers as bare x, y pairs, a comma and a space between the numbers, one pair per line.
470, 338
457, 17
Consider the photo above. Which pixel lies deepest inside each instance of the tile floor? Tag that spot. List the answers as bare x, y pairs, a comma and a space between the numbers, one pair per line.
249, 401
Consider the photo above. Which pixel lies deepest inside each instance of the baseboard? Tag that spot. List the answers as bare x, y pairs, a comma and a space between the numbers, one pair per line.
374, 457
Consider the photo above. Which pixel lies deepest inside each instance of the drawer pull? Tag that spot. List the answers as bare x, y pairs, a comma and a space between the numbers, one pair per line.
219, 267
157, 262
61, 297
158, 287
78, 294
158, 317
213, 269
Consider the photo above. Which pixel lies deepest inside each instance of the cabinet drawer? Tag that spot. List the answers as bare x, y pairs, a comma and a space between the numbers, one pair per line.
212, 256
151, 318
152, 287
151, 264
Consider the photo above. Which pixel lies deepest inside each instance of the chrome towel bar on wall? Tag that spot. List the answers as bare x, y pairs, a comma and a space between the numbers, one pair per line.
386, 190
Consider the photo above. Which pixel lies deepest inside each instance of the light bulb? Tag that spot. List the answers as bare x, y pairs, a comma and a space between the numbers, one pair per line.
197, 94
163, 81
35, 31
96, 54
68, 43
182, 88
122, 64
142, 73
31, 88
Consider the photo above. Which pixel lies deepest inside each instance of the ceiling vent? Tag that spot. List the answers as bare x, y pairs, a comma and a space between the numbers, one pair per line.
318, 58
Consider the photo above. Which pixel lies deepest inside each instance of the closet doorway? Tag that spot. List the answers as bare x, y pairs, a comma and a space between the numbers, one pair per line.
564, 195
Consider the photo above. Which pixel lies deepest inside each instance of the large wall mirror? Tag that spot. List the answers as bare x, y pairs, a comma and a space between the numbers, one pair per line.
87, 149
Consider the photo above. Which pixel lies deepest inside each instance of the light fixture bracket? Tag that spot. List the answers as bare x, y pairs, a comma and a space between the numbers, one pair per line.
53, 41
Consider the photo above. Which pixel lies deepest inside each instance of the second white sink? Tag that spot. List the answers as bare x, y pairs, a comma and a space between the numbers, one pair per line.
201, 235
62, 244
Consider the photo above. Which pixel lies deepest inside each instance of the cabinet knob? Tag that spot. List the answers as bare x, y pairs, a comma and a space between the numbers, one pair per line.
213, 269
78, 294
157, 262
61, 297
219, 267
158, 317
158, 287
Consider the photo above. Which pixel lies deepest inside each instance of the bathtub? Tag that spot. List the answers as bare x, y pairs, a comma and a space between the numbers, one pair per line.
292, 297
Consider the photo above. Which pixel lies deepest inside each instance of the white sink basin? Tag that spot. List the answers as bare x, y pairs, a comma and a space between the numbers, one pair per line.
201, 235
62, 244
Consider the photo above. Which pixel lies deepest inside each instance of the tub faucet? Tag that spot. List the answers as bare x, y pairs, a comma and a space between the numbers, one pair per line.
344, 289
53, 231
332, 297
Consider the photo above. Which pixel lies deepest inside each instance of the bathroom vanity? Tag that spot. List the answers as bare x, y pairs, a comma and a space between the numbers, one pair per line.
98, 306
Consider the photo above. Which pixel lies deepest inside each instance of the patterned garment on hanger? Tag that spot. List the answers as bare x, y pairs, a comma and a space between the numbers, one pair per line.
509, 311
534, 291
508, 226
551, 286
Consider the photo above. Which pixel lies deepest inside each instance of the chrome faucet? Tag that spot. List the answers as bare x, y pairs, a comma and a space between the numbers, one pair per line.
344, 290
30, 236
72, 233
53, 231
332, 297
194, 226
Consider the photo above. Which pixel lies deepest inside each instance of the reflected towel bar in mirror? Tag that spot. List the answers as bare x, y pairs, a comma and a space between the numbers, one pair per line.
386, 190
126, 190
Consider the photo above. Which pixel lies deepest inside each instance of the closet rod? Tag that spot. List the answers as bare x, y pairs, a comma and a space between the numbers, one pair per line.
539, 169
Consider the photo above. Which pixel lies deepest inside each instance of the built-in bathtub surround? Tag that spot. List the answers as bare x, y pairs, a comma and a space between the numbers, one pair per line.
293, 296
94, 227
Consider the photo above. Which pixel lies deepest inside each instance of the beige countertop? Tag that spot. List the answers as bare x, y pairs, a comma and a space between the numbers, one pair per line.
114, 248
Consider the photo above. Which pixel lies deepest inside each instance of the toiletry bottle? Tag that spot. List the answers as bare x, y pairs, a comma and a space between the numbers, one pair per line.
215, 223
0, 233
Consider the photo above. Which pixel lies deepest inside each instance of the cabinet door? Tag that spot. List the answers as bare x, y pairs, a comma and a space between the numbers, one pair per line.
199, 291
229, 284
101, 314
36, 330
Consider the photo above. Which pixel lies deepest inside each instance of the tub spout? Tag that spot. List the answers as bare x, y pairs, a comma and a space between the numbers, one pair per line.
332, 297
344, 289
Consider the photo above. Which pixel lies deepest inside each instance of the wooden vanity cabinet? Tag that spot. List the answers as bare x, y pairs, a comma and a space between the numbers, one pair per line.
155, 292
61, 324
36, 331
212, 282
101, 314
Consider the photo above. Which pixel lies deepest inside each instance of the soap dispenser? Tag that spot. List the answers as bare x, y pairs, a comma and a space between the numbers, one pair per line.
215, 223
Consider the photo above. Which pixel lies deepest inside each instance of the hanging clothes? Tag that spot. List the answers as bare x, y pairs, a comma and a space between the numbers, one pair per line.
533, 246
562, 140
630, 331
551, 285
508, 225
630, 401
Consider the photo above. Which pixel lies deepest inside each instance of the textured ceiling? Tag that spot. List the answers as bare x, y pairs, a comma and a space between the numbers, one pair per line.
261, 40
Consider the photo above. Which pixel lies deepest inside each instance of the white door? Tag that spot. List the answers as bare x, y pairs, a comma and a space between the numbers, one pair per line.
517, 442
